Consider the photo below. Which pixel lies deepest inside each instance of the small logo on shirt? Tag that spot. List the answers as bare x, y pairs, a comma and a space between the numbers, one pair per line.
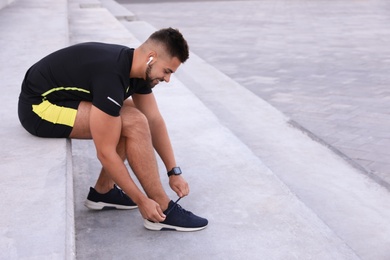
113, 101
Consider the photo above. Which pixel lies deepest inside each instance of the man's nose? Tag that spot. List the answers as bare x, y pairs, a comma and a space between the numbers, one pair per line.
167, 78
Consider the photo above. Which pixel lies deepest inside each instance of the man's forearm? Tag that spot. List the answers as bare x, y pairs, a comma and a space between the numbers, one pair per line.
162, 143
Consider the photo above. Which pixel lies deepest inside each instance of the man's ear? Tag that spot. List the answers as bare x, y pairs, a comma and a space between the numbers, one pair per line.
149, 61
152, 56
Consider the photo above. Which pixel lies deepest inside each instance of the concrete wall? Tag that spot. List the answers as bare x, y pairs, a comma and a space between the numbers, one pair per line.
3, 3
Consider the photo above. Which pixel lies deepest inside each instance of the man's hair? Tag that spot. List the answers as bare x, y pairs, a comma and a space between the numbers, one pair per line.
173, 42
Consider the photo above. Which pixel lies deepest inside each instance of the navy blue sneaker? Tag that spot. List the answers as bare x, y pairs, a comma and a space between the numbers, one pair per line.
177, 219
114, 199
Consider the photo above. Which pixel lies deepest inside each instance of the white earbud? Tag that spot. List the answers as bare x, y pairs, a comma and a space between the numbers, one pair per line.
150, 60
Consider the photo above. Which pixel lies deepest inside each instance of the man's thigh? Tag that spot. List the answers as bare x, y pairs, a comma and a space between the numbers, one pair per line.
81, 129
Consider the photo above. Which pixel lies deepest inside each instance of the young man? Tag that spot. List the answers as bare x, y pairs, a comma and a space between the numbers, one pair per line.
82, 92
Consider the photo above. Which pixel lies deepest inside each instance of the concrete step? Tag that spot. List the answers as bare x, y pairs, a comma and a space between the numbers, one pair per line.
350, 203
4, 3
268, 190
36, 185
252, 212
95, 23
120, 12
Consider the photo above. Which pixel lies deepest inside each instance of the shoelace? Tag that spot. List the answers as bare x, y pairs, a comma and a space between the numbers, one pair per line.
173, 206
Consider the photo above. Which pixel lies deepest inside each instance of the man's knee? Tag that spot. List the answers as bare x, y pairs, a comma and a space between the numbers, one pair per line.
133, 122
128, 103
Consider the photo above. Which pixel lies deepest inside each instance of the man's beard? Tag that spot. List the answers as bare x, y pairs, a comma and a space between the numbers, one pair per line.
149, 81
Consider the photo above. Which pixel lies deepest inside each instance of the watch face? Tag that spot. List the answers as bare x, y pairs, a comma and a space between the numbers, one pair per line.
176, 170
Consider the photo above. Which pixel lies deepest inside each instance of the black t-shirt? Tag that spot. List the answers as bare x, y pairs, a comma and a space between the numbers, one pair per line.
94, 72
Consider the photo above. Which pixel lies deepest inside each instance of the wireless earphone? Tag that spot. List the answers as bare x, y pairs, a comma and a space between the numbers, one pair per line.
150, 60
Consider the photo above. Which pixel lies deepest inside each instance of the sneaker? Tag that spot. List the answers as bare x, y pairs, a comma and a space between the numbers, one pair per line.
114, 199
177, 219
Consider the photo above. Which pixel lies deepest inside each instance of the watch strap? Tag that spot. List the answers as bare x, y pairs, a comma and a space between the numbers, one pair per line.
174, 171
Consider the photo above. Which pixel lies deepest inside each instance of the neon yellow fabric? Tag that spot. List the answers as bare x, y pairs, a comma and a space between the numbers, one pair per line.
64, 88
55, 114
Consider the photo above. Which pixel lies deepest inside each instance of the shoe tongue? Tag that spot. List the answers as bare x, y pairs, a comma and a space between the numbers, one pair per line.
170, 205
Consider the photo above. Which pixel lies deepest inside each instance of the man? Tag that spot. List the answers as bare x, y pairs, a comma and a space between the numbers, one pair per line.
82, 92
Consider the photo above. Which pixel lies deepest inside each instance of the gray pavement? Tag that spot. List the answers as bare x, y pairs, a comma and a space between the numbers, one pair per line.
328, 187
268, 190
325, 65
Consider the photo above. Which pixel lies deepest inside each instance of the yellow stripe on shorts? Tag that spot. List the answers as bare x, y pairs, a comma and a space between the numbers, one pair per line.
55, 114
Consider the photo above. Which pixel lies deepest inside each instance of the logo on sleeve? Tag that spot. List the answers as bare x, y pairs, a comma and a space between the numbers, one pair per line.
113, 101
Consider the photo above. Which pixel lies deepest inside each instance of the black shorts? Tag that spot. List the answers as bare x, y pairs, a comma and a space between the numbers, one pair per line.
47, 119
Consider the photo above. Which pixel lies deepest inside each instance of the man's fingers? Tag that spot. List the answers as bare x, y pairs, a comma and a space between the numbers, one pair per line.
179, 193
158, 215
187, 190
184, 191
161, 213
151, 210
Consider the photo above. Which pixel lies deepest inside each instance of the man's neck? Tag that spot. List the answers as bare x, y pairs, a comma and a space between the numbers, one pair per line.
137, 67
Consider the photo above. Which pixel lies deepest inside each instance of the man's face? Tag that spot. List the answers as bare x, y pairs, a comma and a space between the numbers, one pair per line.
161, 70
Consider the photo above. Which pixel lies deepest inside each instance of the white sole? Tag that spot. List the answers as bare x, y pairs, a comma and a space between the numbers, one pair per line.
159, 226
101, 205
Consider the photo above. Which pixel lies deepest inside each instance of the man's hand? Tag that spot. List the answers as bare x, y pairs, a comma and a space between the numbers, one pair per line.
179, 185
150, 210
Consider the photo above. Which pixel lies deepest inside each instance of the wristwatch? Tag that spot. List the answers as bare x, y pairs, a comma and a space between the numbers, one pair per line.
174, 171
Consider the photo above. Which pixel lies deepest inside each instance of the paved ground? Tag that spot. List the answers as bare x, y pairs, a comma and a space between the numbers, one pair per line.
268, 190
325, 65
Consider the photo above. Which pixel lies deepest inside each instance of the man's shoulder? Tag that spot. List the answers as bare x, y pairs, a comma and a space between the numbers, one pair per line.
100, 45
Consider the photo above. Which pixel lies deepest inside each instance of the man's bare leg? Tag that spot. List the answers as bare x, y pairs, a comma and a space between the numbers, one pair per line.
104, 182
140, 154
81, 130
135, 144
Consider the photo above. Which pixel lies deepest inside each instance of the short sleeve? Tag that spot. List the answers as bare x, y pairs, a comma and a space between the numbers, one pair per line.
108, 94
